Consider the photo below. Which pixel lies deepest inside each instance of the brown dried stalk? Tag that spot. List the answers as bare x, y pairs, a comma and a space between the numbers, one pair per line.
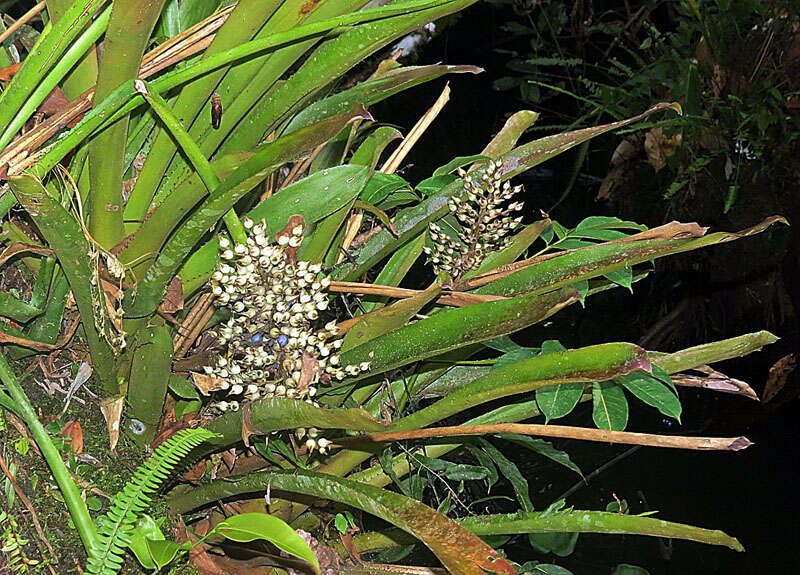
583, 433
63, 340
193, 324
27, 17
394, 161
454, 298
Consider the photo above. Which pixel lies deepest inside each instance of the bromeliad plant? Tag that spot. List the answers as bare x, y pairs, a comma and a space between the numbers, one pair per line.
136, 211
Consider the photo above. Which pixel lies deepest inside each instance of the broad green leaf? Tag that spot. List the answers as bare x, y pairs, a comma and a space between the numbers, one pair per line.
370, 150
180, 15
623, 277
65, 236
569, 521
434, 184
275, 414
542, 447
247, 527
452, 329
653, 392
558, 400
510, 133
585, 364
389, 318
459, 162
381, 185
713, 352
461, 552
163, 552
561, 544
150, 375
146, 528
602, 259
313, 197
182, 387
610, 407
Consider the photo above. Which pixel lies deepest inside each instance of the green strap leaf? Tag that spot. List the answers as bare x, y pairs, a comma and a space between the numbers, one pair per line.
461, 552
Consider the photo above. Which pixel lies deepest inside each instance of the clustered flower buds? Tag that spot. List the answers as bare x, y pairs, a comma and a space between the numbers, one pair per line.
485, 223
273, 348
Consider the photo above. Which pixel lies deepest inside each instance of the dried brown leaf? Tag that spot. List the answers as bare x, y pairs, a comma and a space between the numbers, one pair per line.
173, 299
22, 248
778, 373
72, 430
205, 384
112, 413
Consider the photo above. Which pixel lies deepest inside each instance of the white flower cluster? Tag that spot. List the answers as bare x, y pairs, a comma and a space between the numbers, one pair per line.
485, 223
273, 349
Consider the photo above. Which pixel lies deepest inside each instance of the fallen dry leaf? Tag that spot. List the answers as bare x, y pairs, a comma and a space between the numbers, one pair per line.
777, 376
205, 384
72, 430
173, 299
112, 413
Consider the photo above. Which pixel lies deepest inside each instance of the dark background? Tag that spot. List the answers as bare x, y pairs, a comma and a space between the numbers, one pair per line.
731, 289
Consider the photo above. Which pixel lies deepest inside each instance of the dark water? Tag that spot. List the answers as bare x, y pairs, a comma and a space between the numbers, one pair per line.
751, 494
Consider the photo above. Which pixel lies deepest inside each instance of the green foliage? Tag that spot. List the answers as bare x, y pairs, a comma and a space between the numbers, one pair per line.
115, 528
13, 547
737, 105
295, 140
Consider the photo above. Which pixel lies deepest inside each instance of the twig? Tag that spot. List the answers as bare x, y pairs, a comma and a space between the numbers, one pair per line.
27, 17
27, 503
610, 463
584, 433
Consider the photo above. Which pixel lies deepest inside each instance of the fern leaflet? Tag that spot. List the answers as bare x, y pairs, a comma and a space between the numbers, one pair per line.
114, 528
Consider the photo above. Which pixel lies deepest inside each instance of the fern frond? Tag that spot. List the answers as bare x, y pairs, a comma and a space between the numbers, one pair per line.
114, 528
